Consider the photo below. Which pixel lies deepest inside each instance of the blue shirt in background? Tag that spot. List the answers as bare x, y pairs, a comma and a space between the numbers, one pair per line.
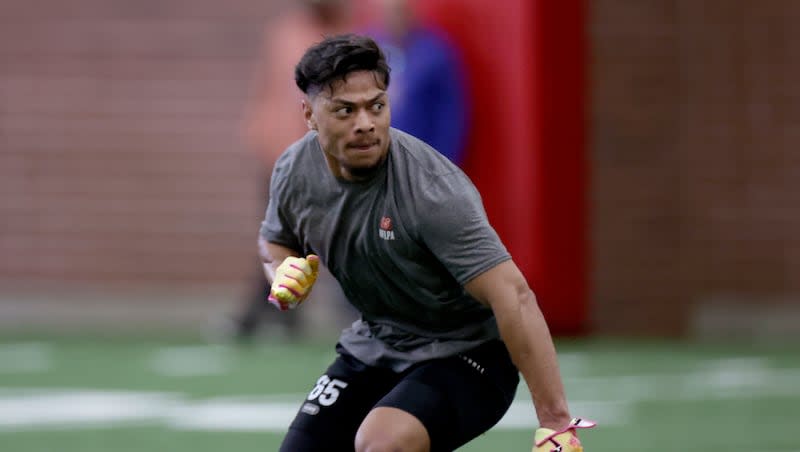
427, 89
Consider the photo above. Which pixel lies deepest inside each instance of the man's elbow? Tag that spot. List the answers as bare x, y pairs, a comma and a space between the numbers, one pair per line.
263, 251
526, 296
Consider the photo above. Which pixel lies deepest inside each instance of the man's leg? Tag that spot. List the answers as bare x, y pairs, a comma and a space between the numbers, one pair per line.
388, 428
442, 404
336, 406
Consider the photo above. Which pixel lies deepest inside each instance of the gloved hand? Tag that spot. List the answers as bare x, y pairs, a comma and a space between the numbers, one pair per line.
294, 278
565, 440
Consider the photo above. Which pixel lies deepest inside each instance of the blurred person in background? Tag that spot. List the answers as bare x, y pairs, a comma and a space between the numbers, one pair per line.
447, 319
271, 124
428, 90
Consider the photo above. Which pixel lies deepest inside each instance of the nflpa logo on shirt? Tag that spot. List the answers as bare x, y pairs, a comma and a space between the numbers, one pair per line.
385, 231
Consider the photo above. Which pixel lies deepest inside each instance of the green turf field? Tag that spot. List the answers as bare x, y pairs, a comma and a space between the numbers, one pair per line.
123, 394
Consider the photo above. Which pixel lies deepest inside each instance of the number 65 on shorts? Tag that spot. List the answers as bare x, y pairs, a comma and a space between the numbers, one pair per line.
326, 390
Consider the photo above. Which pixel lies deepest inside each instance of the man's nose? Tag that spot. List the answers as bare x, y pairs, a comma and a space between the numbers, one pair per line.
364, 122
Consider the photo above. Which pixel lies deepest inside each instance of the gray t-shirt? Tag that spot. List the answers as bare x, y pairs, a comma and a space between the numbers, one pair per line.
401, 245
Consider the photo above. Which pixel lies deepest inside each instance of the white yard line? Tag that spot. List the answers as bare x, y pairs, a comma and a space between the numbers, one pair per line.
92, 409
80, 408
235, 416
608, 400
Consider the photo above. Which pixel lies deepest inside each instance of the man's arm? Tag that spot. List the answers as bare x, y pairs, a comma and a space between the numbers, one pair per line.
273, 255
525, 333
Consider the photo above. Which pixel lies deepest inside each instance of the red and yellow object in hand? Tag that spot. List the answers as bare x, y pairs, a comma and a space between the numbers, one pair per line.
294, 278
564, 440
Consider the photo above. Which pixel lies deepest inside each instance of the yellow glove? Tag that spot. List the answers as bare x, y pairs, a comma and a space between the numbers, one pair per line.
293, 281
565, 440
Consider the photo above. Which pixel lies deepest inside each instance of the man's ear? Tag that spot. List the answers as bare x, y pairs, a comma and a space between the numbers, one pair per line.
308, 114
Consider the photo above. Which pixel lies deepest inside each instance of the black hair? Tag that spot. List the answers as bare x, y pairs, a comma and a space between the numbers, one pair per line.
335, 57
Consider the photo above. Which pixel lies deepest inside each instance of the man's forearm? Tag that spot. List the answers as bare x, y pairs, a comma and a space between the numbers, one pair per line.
267, 261
271, 256
528, 339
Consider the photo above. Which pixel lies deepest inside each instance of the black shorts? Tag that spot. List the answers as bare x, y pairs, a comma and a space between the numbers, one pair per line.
456, 398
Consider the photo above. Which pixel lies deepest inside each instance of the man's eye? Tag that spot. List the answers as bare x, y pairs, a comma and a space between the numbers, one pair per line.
344, 111
377, 107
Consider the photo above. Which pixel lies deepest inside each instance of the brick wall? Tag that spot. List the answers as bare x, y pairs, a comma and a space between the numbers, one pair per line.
696, 158
120, 157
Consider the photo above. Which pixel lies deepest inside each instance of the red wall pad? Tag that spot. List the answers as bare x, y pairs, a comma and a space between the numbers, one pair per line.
527, 155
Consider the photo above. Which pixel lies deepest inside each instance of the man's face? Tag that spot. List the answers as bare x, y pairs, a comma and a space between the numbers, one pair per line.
352, 118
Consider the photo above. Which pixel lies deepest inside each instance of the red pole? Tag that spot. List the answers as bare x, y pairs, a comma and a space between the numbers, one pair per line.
527, 153
561, 169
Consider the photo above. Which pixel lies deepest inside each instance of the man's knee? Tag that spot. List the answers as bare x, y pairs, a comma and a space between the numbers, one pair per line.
372, 440
391, 430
